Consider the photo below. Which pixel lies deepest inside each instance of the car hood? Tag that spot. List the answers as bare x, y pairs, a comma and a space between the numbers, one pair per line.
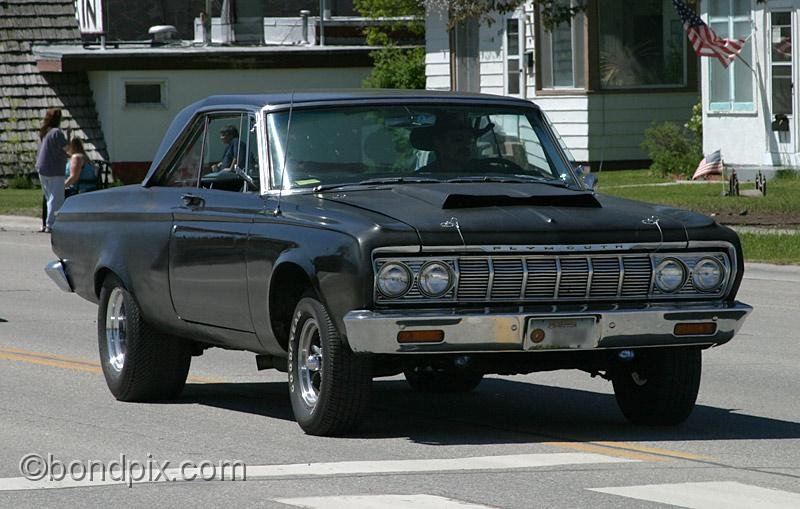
503, 214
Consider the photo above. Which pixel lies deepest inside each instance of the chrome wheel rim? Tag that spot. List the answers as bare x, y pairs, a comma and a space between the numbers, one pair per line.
309, 363
116, 330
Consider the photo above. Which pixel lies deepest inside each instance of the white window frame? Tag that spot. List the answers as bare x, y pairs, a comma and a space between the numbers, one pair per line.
162, 82
519, 56
731, 106
578, 62
655, 86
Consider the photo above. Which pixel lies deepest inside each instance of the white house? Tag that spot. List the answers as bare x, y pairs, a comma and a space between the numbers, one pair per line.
602, 79
749, 109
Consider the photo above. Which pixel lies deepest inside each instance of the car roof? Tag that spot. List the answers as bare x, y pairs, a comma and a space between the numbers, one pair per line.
300, 97
284, 99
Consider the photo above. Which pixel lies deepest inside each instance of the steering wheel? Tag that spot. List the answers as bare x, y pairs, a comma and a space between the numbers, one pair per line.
506, 164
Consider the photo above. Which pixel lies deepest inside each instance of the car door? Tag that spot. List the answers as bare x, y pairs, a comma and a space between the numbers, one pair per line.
208, 266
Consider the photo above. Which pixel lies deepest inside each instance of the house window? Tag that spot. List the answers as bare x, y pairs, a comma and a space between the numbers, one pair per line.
561, 53
781, 56
642, 44
144, 94
731, 89
513, 60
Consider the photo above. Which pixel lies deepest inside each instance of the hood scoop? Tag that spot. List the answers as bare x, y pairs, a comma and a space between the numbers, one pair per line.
466, 196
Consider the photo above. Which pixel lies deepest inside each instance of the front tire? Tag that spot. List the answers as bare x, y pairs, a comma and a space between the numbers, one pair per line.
661, 387
139, 363
329, 386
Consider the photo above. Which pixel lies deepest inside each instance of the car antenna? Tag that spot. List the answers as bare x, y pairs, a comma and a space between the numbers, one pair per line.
277, 210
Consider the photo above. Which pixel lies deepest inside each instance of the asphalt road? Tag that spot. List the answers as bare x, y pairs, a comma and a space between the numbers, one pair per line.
542, 440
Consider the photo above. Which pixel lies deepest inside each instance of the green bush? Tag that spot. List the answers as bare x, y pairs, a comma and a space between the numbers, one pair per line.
397, 68
21, 181
674, 150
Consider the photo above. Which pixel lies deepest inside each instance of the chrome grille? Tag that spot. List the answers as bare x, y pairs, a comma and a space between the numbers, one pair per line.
473, 278
548, 278
551, 277
508, 276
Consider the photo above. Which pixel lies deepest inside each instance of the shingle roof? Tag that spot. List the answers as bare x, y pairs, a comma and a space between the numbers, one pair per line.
25, 93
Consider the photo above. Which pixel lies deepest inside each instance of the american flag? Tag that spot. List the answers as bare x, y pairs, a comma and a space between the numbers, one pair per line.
704, 41
709, 165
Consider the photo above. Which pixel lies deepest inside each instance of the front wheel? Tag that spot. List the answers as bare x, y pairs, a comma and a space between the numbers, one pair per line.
661, 387
329, 386
139, 363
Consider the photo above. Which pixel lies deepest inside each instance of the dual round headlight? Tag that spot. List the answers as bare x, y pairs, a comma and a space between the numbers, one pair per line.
707, 275
395, 279
670, 275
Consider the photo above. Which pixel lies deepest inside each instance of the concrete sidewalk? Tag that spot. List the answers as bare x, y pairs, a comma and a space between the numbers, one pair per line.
20, 223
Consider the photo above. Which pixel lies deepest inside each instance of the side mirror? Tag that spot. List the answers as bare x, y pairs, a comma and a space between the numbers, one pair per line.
589, 179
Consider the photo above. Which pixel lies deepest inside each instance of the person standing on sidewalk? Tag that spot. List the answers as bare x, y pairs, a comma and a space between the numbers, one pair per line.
50, 162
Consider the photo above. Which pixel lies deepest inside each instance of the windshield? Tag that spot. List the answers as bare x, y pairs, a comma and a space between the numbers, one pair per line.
328, 147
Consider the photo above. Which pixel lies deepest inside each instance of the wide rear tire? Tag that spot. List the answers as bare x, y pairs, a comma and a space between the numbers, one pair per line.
139, 363
661, 387
329, 386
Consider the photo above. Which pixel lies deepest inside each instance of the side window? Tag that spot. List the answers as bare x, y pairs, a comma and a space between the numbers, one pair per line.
184, 170
228, 153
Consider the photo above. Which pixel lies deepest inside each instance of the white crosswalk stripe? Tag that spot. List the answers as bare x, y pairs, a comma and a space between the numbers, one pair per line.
709, 495
380, 502
506, 462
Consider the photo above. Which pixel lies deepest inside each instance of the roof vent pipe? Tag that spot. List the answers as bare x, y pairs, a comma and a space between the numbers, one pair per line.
161, 34
304, 16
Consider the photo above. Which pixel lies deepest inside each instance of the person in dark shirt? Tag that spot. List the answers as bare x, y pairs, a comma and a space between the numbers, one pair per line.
50, 161
233, 148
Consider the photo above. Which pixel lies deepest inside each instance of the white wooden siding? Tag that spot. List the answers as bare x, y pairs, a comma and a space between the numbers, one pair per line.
437, 51
594, 126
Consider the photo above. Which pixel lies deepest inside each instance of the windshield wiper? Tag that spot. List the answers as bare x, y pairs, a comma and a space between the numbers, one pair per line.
515, 179
377, 181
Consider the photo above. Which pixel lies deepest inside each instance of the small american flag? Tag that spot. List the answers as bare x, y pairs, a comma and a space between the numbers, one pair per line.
704, 41
709, 165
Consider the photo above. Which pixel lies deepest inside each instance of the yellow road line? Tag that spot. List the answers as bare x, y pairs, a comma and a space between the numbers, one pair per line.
50, 362
58, 361
41, 355
655, 450
618, 452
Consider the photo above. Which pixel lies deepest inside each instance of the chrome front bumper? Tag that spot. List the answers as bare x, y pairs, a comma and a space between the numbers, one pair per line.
55, 270
493, 331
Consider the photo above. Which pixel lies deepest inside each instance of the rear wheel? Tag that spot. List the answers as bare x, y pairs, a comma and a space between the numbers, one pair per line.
138, 362
661, 386
329, 386
450, 379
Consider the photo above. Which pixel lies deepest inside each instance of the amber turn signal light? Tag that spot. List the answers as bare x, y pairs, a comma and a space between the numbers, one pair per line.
695, 329
420, 336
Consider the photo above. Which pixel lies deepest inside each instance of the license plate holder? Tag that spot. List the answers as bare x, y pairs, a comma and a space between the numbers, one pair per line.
561, 333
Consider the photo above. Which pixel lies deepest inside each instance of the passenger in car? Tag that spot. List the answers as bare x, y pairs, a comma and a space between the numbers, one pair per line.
233, 147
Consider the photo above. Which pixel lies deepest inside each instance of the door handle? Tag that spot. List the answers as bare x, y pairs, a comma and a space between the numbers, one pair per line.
192, 200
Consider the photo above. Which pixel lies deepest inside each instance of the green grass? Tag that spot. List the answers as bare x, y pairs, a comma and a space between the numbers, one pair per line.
783, 194
771, 247
628, 177
21, 202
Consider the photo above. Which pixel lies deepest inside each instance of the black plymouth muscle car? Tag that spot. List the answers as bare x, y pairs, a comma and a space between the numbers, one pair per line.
347, 235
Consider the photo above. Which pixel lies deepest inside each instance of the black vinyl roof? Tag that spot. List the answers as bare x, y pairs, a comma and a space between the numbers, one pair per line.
346, 95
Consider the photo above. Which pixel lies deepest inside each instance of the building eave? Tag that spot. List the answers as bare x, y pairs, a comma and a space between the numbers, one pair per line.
72, 58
